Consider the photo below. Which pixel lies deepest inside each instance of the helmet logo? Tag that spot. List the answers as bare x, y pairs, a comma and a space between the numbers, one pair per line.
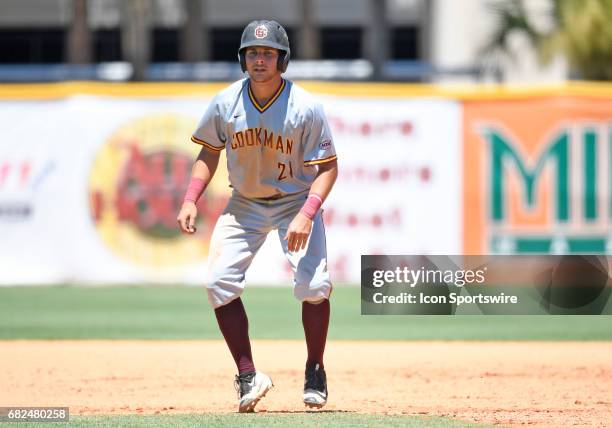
261, 32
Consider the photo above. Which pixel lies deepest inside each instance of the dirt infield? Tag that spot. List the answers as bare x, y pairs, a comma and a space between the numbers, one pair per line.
510, 383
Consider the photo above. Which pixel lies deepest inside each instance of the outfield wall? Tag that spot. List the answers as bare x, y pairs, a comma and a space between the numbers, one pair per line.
92, 176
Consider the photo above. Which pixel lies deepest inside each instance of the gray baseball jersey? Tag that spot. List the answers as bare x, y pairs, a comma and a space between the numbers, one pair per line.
271, 149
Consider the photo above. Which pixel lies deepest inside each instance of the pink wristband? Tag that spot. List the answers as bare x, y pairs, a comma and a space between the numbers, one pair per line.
312, 205
194, 190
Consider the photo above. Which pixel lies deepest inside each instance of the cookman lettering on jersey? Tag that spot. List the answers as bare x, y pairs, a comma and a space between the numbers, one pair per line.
272, 149
255, 137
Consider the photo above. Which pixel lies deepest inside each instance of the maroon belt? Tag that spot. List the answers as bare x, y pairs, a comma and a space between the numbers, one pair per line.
273, 197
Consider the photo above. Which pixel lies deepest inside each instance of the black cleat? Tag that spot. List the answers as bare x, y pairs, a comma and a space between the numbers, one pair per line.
315, 387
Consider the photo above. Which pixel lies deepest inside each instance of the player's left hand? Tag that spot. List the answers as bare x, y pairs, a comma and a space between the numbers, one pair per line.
298, 232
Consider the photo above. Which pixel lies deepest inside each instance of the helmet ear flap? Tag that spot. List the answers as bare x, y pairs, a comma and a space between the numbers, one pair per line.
280, 62
283, 61
242, 60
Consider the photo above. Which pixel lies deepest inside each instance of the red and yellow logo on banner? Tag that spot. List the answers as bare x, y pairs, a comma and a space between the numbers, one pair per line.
537, 176
137, 184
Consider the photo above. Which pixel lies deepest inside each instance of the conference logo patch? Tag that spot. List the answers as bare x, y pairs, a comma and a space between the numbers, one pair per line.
136, 187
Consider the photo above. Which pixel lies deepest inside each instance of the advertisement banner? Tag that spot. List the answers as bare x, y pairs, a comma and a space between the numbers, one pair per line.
399, 184
90, 188
537, 176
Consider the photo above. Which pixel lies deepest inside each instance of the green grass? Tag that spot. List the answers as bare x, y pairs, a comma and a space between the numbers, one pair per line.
288, 420
183, 313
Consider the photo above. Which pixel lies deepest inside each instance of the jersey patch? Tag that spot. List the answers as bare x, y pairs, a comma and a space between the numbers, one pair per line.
325, 144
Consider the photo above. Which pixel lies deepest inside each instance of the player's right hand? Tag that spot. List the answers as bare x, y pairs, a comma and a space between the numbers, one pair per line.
187, 217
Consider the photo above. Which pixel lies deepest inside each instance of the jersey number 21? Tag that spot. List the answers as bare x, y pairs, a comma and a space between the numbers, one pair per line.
284, 170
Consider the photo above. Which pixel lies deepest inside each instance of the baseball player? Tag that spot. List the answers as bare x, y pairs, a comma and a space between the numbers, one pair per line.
282, 165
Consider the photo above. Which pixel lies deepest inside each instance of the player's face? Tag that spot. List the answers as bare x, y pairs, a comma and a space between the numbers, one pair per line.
261, 63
